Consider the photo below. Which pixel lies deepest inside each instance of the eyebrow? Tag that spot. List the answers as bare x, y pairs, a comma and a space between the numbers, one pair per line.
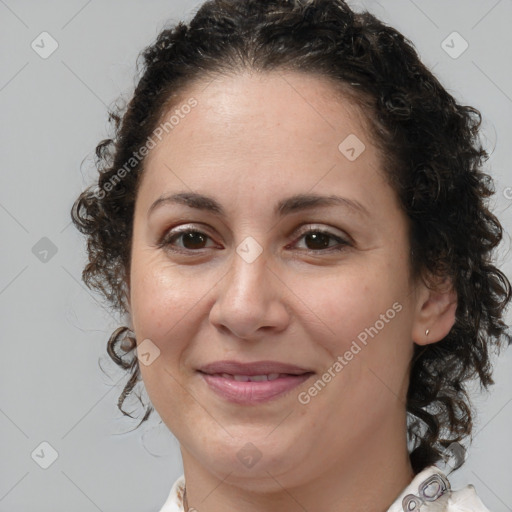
296, 203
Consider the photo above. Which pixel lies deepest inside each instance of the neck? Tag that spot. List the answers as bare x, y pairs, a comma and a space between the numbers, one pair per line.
366, 479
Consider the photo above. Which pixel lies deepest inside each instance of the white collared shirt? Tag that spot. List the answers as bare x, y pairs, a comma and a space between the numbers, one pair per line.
429, 491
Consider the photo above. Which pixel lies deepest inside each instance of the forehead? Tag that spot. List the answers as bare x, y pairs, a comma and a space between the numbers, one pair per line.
274, 99
252, 126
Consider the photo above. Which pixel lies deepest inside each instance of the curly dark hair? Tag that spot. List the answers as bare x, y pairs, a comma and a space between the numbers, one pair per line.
430, 149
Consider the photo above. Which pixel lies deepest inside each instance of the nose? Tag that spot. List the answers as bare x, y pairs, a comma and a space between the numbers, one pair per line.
250, 301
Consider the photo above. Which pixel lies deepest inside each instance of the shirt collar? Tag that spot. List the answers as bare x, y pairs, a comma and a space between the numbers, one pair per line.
430, 491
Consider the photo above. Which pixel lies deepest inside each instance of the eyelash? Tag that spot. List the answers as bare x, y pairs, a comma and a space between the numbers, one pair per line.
168, 239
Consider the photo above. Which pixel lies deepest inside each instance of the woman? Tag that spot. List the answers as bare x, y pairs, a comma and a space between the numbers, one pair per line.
292, 213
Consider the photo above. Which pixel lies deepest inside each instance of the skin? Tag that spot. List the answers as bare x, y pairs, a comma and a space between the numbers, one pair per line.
251, 141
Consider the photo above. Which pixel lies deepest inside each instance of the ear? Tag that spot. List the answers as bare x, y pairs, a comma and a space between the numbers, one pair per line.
435, 311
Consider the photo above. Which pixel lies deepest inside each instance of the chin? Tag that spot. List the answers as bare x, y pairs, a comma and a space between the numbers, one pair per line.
250, 459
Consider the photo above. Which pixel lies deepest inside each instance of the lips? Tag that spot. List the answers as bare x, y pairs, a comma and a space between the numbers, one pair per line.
251, 383
250, 369
252, 378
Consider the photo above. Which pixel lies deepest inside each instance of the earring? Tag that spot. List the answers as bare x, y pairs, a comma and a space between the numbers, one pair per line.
427, 332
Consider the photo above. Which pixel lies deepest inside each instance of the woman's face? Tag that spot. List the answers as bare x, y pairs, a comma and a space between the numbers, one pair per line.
260, 265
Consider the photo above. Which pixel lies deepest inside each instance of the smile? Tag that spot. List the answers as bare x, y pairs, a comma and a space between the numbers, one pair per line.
251, 389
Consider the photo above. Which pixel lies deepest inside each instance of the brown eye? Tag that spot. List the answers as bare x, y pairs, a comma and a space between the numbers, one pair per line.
317, 240
193, 240
190, 240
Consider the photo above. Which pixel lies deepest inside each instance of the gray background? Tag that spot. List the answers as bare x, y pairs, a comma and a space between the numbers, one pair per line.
54, 330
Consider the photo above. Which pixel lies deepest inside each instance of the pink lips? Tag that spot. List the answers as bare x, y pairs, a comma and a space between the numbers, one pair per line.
246, 383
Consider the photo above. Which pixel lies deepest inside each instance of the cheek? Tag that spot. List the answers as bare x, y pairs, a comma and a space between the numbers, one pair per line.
160, 295
356, 305
163, 307
161, 304
366, 319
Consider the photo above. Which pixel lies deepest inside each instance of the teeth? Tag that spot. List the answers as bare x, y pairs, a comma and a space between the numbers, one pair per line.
241, 378
251, 378
257, 378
